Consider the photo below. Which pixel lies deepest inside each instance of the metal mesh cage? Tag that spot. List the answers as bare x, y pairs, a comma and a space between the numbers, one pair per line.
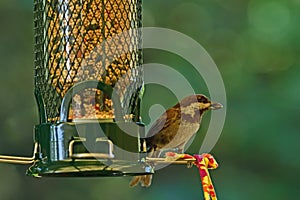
83, 40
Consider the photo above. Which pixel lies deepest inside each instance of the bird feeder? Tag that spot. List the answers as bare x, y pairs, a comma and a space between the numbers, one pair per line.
88, 84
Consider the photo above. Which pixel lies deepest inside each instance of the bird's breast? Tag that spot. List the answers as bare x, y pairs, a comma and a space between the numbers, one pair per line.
181, 135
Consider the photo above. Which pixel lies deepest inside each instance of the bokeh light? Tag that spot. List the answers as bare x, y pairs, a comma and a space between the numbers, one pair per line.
270, 20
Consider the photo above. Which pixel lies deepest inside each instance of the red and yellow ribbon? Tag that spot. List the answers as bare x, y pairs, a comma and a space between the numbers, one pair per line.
203, 162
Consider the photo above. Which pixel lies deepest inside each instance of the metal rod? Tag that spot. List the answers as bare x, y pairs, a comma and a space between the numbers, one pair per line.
18, 159
164, 161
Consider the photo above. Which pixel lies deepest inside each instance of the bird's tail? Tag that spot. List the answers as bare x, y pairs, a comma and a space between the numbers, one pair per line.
144, 180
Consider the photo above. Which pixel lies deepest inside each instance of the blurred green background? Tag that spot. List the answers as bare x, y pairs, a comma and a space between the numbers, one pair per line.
256, 47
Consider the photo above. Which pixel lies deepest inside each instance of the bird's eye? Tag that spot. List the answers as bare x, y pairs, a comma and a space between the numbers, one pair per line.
202, 99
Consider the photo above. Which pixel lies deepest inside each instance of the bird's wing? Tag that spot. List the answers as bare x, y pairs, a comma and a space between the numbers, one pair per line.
164, 121
159, 124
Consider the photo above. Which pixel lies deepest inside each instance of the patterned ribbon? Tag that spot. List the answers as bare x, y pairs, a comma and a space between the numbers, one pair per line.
203, 162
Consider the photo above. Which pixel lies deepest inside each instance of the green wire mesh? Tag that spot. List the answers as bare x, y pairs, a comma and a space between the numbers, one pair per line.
80, 40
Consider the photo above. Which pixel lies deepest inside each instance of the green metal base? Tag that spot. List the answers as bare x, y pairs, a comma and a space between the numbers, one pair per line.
90, 148
88, 168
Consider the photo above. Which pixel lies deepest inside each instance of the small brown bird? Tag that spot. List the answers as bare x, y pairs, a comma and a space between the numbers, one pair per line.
174, 128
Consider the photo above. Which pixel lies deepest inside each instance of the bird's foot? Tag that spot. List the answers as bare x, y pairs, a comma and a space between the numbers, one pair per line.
189, 164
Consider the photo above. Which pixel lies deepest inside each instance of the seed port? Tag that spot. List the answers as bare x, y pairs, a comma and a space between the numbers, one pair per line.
103, 149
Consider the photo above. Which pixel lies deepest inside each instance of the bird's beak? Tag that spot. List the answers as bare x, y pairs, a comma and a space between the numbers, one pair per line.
215, 106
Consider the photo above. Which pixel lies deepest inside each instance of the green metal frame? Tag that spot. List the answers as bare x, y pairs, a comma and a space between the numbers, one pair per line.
88, 148
65, 150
